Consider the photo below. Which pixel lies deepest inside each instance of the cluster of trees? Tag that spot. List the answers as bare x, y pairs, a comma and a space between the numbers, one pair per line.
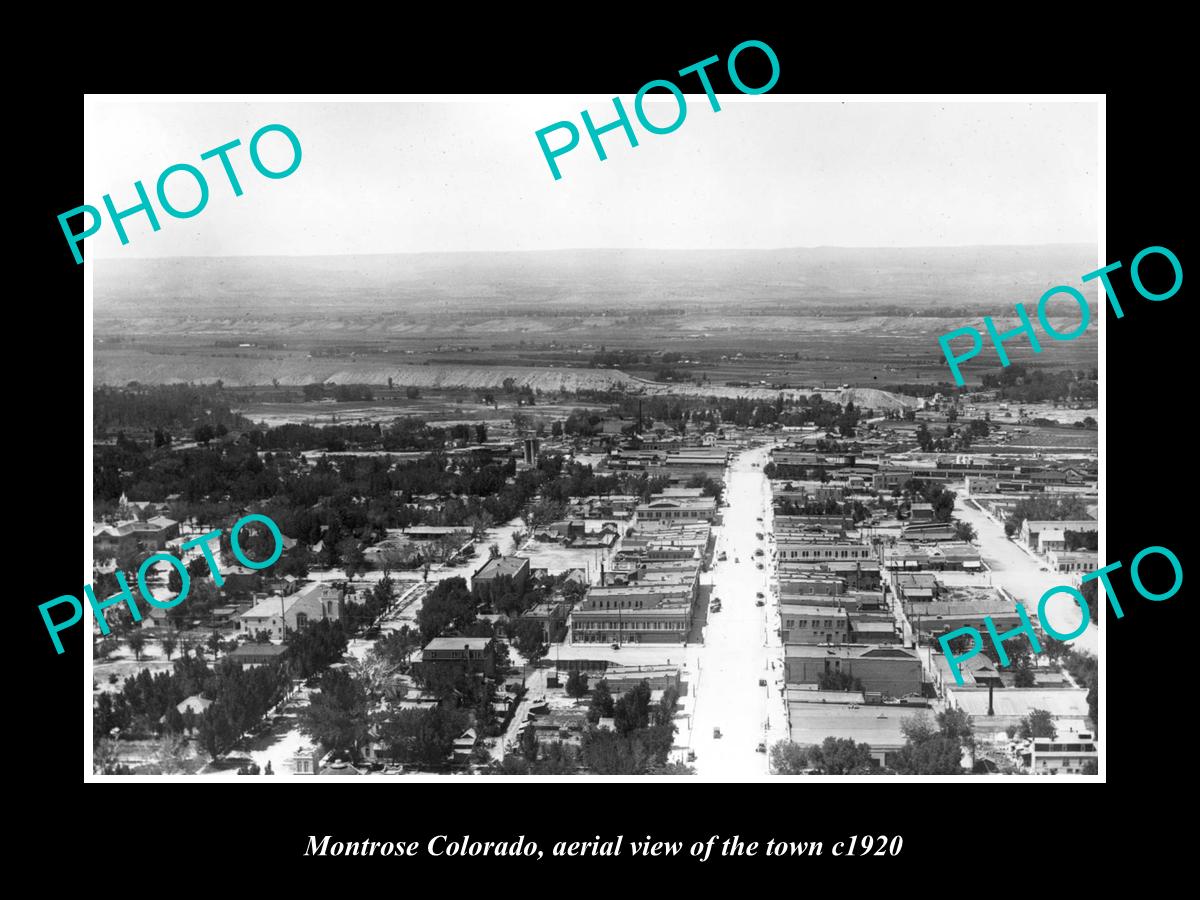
370, 605
177, 408
837, 680
942, 500
450, 606
833, 756
639, 743
934, 749
313, 648
953, 437
1016, 382
340, 392
930, 748
148, 704
1045, 509
1082, 540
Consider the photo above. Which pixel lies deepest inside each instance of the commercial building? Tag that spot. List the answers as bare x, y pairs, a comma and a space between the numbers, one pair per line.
1049, 756
887, 670
677, 509
810, 624
878, 726
656, 614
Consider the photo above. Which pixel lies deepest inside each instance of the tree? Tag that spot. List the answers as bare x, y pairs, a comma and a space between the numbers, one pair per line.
170, 753
479, 523
837, 680
602, 705
964, 531
529, 744
423, 737
203, 434
336, 715
577, 684
954, 723
788, 758
449, 605
105, 646
930, 749
1038, 724
841, 756
169, 643
136, 641
350, 552
529, 637
214, 643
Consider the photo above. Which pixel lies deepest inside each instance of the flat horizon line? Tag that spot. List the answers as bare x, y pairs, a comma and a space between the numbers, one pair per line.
923, 247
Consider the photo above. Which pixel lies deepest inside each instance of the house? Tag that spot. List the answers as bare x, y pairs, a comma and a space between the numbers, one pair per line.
251, 655
463, 745
195, 703
475, 654
279, 614
888, 670
510, 572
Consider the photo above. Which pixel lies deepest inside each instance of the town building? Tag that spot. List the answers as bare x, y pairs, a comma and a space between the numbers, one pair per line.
887, 670
475, 654
127, 538
809, 624
1050, 756
278, 614
655, 613
880, 727
509, 573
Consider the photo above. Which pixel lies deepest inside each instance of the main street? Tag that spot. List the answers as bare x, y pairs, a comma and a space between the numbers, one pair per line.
741, 646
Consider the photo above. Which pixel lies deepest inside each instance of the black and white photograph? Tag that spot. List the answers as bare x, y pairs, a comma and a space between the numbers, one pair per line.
444, 437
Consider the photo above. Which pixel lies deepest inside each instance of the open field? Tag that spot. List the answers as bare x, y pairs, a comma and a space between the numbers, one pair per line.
801, 317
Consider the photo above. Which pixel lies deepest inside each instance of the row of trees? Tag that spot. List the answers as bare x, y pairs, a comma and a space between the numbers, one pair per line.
930, 748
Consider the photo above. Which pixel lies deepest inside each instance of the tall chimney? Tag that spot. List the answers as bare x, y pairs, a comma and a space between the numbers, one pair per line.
601, 574
991, 687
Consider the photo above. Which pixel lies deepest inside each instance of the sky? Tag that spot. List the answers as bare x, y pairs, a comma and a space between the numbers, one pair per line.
763, 172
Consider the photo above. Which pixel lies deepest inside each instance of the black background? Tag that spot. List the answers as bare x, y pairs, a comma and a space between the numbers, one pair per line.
959, 831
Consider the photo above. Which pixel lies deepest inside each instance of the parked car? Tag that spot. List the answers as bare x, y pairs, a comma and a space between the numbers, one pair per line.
716, 732
762, 682
761, 748
758, 552
758, 603
760, 565
616, 646
691, 756
759, 595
